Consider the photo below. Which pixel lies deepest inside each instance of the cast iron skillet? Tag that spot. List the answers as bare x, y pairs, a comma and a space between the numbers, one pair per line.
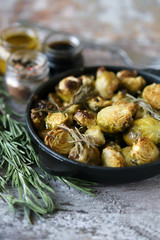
57, 164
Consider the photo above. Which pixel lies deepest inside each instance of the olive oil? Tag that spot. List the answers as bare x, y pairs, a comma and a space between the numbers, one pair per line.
15, 38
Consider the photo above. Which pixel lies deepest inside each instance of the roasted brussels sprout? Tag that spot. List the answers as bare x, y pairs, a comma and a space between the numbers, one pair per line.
96, 133
59, 140
146, 127
54, 99
114, 119
87, 80
151, 93
88, 155
133, 84
118, 96
37, 118
85, 118
54, 119
129, 160
67, 87
144, 151
133, 107
106, 83
97, 103
112, 158
126, 74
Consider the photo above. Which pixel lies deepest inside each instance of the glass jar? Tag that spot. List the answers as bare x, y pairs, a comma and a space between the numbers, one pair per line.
15, 38
63, 50
26, 70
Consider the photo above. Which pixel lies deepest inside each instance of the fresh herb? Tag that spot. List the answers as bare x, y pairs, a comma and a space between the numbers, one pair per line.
17, 160
79, 138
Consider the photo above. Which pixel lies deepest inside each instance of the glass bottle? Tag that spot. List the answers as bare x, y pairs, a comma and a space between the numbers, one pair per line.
26, 70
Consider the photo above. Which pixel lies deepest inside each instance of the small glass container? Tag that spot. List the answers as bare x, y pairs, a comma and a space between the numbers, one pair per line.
63, 50
15, 38
26, 70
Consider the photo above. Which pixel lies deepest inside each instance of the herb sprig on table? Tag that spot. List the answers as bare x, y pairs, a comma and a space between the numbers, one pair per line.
17, 163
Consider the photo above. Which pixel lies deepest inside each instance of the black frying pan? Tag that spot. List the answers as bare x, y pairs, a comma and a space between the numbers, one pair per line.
57, 164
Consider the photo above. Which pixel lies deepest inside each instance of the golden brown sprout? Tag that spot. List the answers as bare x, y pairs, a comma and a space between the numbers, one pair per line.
67, 87
87, 80
96, 133
133, 107
54, 99
38, 119
129, 160
118, 96
85, 118
97, 103
114, 119
133, 84
72, 109
151, 93
59, 140
88, 155
126, 73
112, 158
146, 127
106, 83
144, 151
54, 119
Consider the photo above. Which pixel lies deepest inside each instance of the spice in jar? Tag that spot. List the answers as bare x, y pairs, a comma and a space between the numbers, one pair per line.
15, 38
26, 70
64, 51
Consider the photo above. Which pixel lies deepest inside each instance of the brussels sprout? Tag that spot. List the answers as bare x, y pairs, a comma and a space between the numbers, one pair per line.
133, 84
129, 160
133, 107
151, 93
97, 103
54, 99
43, 133
112, 158
88, 155
144, 151
54, 119
114, 119
37, 118
85, 118
67, 87
118, 96
106, 83
146, 127
126, 73
96, 133
59, 140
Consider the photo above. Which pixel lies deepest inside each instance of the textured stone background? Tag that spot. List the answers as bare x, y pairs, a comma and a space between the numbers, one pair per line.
118, 212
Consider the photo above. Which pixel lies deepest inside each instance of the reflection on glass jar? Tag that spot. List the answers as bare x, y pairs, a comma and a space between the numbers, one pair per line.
26, 70
15, 38
63, 50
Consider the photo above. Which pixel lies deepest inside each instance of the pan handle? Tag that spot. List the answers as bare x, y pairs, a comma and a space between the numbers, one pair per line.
154, 71
56, 167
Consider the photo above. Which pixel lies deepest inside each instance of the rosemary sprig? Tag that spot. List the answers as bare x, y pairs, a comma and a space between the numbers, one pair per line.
146, 107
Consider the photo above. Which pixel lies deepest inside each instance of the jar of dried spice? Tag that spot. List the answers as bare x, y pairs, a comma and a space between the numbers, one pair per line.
15, 38
26, 70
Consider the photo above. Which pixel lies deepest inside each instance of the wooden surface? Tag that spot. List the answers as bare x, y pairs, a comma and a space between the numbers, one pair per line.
117, 212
